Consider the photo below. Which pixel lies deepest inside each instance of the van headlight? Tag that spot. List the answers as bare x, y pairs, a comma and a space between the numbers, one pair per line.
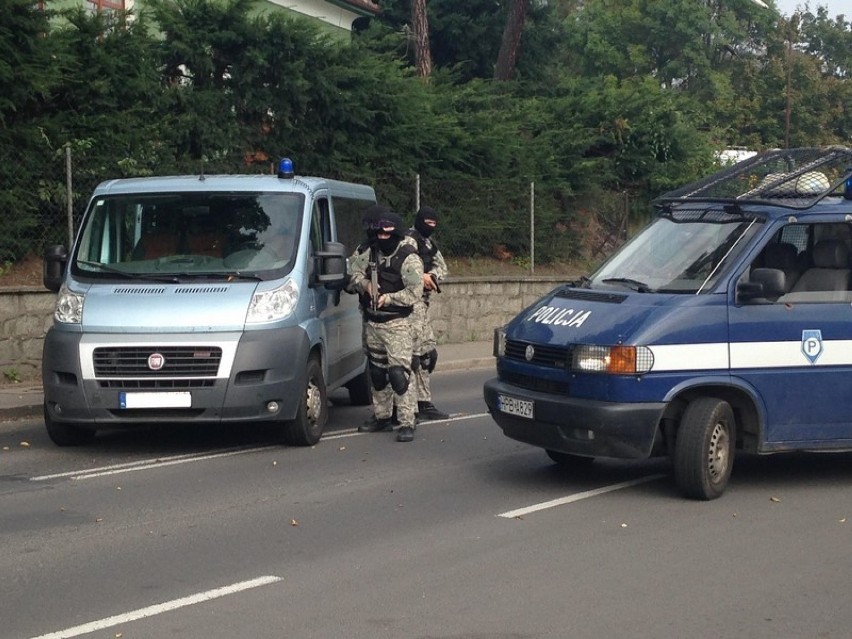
617, 360
69, 306
499, 342
268, 306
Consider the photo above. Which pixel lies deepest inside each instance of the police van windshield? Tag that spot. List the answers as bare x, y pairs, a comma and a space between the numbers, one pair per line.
679, 253
190, 235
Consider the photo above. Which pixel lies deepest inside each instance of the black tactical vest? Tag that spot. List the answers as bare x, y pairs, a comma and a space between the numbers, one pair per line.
390, 281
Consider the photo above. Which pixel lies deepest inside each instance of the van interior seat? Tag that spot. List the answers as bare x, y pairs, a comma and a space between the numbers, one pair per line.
154, 245
830, 271
784, 257
210, 244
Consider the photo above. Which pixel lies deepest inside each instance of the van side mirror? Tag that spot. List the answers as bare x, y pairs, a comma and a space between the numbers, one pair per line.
55, 261
764, 284
330, 266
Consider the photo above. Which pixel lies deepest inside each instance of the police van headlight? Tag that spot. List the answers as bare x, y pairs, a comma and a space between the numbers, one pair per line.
499, 342
617, 360
69, 306
268, 306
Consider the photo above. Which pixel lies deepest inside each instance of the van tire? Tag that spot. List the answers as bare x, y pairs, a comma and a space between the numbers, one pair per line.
65, 434
360, 390
312, 414
567, 460
704, 449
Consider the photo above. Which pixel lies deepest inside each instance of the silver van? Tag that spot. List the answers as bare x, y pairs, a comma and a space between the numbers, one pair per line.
206, 299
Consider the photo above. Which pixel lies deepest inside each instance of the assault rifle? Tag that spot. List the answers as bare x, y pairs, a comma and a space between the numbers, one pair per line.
374, 279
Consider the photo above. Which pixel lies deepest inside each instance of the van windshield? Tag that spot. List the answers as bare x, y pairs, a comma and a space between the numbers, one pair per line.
190, 235
679, 253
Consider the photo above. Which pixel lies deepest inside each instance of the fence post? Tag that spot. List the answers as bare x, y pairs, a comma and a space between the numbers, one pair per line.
532, 228
69, 194
416, 193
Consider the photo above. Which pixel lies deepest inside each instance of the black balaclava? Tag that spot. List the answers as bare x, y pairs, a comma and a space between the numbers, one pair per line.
425, 213
370, 219
392, 221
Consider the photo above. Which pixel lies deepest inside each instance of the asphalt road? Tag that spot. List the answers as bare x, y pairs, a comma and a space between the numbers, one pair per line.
463, 533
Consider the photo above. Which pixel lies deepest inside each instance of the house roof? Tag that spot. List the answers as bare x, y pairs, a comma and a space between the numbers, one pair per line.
363, 7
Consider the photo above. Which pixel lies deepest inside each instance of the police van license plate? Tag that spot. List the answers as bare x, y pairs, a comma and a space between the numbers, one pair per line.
155, 400
514, 406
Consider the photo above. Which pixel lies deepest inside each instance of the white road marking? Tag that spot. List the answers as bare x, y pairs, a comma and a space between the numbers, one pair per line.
160, 462
145, 464
520, 512
158, 609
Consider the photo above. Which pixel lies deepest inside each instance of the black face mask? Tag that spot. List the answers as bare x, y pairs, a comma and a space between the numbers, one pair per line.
424, 229
388, 246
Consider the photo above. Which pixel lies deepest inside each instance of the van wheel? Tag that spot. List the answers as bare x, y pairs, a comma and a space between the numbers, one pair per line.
568, 460
704, 449
64, 434
360, 391
307, 428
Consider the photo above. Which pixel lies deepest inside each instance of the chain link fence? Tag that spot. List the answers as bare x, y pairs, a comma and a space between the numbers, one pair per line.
487, 226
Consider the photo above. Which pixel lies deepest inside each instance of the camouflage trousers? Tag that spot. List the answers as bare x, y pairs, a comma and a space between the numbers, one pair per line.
424, 342
389, 346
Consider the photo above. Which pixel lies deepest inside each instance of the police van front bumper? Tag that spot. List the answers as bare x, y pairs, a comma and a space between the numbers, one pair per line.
577, 426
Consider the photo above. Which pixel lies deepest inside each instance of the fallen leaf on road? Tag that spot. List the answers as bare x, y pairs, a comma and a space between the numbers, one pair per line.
624, 525
342, 448
294, 523
843, 521
25, 444
775, 499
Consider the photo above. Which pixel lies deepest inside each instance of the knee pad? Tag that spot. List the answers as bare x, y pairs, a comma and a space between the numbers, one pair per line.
378, 377
432, 361
398, 377
415, 363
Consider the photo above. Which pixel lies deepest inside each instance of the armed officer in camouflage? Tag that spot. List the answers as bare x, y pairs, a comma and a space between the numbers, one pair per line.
425, 346
389, 279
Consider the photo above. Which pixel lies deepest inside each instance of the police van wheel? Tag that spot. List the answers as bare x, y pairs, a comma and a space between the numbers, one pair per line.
568, 460
307, 428
704, 450
63, 434
360, 393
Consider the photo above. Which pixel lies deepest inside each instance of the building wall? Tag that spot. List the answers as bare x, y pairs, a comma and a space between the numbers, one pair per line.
467, 309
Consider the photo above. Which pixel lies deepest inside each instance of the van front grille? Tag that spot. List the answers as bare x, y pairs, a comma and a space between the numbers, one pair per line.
137, 361
542, 354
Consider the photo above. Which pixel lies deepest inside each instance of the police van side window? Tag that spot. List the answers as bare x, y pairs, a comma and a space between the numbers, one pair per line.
813, 262
320, 225
347, 216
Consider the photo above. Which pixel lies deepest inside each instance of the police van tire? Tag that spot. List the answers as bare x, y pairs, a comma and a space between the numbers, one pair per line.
360, 390
704, 450
567, 460
312, 415
64, 434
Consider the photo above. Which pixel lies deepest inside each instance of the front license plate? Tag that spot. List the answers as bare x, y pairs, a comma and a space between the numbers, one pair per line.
155, 400
514, 406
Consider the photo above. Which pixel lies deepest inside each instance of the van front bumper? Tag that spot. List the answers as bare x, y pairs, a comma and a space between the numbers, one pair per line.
267, 370
577, 426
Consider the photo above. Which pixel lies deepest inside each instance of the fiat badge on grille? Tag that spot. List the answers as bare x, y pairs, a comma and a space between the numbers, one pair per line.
156, 361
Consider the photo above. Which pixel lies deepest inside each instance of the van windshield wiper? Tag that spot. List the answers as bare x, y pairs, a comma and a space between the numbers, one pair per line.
130, 276
228, 276
636, 285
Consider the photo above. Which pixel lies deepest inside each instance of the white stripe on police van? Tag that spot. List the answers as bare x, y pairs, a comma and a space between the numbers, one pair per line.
715, 356
689, 357
786, 354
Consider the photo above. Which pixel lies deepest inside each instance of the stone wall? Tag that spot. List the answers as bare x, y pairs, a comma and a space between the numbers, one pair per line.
466, 310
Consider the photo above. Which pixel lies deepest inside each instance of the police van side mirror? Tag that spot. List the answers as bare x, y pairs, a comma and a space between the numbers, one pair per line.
53, 268
330, 265
763, 285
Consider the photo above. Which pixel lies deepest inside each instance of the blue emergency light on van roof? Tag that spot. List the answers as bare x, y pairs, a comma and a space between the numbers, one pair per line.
285, 169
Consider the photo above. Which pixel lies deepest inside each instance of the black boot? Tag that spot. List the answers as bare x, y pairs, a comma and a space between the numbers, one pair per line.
394, 418
405, 434
427, 410
375, 425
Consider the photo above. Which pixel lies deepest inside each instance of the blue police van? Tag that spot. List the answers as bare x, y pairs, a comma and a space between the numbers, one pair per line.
725, 325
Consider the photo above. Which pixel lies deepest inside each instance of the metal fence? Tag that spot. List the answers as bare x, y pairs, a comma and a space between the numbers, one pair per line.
491, 223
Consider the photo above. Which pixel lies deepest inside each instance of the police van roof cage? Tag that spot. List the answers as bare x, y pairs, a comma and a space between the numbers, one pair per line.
792, 178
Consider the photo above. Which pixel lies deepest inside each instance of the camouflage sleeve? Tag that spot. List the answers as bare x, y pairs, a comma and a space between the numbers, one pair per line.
412, 277
439, 266
356, 269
